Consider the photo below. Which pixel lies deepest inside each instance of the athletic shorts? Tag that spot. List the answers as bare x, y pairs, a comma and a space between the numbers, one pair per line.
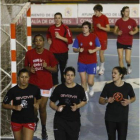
121, 46
19, 126
103, 44
88, 68
46, 93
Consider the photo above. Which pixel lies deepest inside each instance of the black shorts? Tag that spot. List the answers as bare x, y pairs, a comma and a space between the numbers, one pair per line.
121, 46
66, 130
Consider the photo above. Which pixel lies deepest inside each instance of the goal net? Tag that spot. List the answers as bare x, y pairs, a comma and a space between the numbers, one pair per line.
15, 41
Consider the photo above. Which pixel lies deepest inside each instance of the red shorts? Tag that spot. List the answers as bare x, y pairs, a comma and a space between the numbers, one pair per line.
19, 126
103, 44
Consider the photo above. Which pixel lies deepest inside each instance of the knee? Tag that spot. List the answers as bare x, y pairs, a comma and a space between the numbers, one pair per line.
120, 58
90, 83
127, 60
42, 108
83, 81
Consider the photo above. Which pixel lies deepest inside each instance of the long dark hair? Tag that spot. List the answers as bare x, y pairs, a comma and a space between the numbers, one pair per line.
123, 9
121, 70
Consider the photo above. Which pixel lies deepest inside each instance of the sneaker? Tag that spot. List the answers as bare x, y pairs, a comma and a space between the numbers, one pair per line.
129, 70
36, 123
44, 134
87, 96
101, 71
97, 68
91, 93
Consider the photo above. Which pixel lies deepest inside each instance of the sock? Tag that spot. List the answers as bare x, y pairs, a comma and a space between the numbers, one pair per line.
128, 65
90, 87
44, 127
102, 65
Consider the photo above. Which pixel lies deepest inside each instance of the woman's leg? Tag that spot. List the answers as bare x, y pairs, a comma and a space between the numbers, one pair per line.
122, 130
120, 56
43, 115
83, 80
102, 60
27, 134
59, 127
90, 84
111, 130
18, 135
128, 59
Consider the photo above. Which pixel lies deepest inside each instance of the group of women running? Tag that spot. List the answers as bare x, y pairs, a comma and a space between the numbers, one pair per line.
38, 80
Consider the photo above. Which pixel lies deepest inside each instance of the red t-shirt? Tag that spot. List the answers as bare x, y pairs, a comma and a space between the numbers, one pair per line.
125, 27
87, 42
103, 20
41, 78
59, 46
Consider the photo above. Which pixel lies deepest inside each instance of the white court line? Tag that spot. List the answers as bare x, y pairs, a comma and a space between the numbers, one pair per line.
109, 55
98, 86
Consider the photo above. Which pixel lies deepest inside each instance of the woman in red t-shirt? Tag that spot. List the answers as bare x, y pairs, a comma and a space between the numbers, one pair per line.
41, 63
125, 28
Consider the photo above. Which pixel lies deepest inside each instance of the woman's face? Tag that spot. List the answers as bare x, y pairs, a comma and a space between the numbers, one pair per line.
58, 19
126, 12
116, 75
97, 13
24, 78
39, 42
85, 29
69, 77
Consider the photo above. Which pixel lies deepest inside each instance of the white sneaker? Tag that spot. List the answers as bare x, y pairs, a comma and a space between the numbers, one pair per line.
129, 70
97, 68
87, 96
101, 71
91, 93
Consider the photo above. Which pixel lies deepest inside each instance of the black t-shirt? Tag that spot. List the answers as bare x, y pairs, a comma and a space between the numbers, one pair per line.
115, 112
68, 96
26, 98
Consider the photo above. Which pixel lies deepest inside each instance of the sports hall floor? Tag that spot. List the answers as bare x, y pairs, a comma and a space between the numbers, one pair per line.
92, 115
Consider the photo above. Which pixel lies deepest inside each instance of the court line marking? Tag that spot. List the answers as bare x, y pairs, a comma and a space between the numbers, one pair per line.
110, 55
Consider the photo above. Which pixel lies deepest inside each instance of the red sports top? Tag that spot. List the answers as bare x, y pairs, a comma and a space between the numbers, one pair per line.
126, 27
42, 78
87, 42
103, 20
59, 46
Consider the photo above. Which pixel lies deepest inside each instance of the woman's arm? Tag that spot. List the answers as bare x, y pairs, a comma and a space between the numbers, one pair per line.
12, 107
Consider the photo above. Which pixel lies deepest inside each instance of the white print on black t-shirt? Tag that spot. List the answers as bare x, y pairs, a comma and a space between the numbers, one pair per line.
38, 64
24, 103
25, 97
69, 96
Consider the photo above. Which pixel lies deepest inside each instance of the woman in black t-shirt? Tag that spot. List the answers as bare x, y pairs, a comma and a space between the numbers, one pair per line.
118, 94
71, 97
25, 98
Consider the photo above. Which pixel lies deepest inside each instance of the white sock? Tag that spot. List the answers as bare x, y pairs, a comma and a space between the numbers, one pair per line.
90, 88
87, 96
102, 65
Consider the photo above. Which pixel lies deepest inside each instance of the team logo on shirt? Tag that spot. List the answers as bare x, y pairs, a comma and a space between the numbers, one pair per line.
90, 43
129, 27
24, 103
81, 44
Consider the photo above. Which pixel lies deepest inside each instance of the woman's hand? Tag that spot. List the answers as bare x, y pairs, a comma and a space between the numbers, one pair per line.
74, 107
110, 100
125, 102
17, 108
